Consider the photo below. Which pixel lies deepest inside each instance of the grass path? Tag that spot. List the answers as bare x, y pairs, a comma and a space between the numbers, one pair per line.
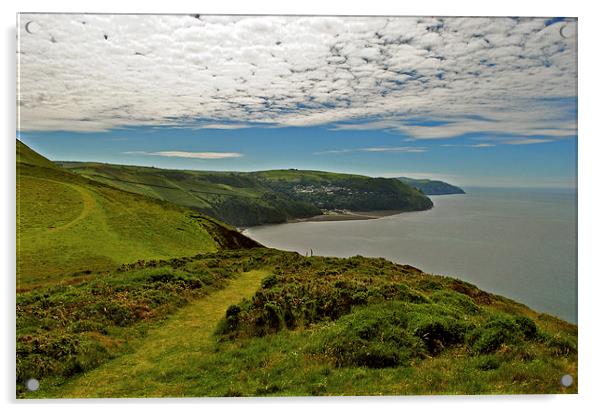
89, 205
164, 363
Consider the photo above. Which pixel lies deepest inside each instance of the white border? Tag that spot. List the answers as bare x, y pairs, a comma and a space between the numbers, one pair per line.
590, 272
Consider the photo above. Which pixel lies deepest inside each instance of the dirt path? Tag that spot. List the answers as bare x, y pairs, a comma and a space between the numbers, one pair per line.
167, 351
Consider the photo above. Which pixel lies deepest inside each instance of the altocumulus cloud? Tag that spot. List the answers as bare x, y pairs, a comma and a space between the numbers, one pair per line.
469, 75
191, 155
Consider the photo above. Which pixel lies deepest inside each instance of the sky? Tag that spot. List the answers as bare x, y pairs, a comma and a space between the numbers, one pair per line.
473, 101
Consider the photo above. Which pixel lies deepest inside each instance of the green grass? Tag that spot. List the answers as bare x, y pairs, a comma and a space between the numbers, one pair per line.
69, 227
155, 366
109, 305
247, 199
233, 197
284, 324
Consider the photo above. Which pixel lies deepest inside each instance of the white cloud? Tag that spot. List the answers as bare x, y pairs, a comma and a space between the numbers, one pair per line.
476, 145
528, 141
477, 75
395, 149
403, 149
191, 155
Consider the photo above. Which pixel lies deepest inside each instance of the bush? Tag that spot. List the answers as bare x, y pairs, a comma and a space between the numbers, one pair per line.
526, 326
376, 336
458, 301
503, 330
438, 332
494, 334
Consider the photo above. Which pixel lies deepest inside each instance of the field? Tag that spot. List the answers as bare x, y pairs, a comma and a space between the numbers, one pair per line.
69, 227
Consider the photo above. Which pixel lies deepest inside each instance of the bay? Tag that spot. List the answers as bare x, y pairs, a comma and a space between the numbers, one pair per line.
519, 243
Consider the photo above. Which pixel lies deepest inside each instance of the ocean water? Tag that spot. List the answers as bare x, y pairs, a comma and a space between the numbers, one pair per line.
520, 243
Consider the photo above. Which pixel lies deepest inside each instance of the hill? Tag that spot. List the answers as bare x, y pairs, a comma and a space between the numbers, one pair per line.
69, 227
432, 187
254, 198
344, 191
262, 322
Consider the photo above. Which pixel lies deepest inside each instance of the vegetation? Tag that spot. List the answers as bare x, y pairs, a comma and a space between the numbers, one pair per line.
107, 305
432, 187
342, 191
70, 228
69, 329
247, 199
352, 326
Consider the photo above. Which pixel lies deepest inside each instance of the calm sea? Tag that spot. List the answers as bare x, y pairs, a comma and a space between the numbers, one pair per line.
520, 243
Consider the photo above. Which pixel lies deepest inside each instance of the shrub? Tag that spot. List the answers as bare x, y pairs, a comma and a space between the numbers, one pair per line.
438, 332
269, 281
375, 336
459, 301
494, 334
526, 326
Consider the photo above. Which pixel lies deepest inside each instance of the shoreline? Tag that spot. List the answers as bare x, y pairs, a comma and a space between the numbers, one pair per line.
342, 216
347, 215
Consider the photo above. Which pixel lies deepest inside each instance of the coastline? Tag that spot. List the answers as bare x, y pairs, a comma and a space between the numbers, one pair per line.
343, 215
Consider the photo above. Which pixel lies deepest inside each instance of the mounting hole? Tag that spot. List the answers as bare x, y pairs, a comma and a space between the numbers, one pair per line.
566, 380
32, 384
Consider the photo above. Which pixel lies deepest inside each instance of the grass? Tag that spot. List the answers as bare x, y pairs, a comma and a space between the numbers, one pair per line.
169, 355
65, 330
247, 199
107, 306
69, 227
233, 197
285, 324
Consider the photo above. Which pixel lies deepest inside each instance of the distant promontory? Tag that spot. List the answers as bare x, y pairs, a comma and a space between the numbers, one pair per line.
432, 187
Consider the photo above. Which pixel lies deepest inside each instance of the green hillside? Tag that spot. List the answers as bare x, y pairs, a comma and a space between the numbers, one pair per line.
343, 191
432, 187
261, 322
125, 295
236, 198
247, 199
69, 227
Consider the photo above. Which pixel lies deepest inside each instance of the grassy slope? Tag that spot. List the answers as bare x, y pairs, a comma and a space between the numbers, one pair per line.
316, 326
185, 340
69, 227
246, 199
236, 198
342, 191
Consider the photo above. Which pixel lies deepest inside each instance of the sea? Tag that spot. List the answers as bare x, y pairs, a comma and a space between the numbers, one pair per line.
519, 243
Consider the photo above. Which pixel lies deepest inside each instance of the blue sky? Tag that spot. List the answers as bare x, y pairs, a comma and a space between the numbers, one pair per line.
474, 101
550, 164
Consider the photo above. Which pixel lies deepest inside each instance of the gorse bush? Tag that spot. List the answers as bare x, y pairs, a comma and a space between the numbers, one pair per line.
65, 330
308, 290
347, 316
503, 330
390, 334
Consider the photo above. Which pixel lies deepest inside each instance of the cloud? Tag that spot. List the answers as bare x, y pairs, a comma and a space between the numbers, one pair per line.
394, 149
528, 141
475, 75
225, 126
476, 145
404, 149
191, 155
